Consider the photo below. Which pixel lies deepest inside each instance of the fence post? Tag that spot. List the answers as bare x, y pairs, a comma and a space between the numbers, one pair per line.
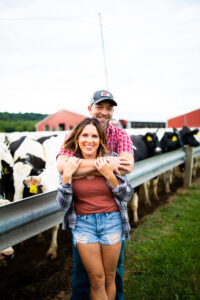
188, 167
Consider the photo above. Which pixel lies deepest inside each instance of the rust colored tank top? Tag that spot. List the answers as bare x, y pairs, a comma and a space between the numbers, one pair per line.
93, 196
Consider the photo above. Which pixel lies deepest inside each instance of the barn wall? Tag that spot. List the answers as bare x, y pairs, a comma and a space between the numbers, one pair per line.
191, 119
69, 119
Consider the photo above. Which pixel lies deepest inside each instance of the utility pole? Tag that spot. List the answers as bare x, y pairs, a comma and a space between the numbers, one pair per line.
103, 49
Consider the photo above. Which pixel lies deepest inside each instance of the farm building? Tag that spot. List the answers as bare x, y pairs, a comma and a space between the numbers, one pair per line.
61, 120
191, 119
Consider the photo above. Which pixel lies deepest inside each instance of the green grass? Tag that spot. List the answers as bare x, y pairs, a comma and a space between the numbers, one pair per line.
162, 258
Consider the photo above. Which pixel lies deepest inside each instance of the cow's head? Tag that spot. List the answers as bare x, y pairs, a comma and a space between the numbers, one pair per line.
171, 141
46, 181
188, 136
32, 184
152, 143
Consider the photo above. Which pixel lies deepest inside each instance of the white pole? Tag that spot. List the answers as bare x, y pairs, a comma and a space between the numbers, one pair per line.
103, 49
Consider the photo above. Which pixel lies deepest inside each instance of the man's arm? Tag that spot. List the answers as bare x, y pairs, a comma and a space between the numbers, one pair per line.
129, 157
122, 164
86, 167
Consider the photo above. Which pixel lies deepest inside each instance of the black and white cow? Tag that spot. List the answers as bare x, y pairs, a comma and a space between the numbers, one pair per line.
188, 137
170, 141
48, 181
144, 146
29, 159
6, 173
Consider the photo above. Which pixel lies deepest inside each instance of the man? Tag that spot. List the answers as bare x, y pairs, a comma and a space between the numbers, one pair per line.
102, 108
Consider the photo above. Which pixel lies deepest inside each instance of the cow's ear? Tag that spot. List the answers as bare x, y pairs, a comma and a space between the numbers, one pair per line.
149, 138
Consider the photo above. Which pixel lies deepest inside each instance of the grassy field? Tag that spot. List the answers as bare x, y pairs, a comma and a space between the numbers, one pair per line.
162, 258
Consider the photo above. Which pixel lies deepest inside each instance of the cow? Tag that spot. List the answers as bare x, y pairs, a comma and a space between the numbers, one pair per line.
7, 253
29, 158
6, 173
144, 146
48, 181
170, 141
188, 138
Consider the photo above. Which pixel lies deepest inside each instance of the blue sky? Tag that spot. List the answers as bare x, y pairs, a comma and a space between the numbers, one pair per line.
51, 56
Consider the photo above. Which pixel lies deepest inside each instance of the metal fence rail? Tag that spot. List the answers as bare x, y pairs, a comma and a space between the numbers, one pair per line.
25, 218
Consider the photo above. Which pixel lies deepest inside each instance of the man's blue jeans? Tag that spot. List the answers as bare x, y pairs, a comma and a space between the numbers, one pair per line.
80, 280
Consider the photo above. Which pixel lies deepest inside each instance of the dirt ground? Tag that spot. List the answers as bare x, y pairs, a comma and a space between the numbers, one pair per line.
30, 275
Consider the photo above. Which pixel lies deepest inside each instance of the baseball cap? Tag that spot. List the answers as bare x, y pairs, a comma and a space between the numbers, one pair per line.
102, 95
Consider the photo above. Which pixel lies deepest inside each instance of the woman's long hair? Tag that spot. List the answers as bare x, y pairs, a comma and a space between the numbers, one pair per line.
71, 143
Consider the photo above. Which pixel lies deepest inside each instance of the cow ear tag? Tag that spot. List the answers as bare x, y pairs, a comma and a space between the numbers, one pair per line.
5, 170
149, 138
33, 189
174, 138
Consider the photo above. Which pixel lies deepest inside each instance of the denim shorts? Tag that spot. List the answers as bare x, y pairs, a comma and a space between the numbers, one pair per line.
103, 228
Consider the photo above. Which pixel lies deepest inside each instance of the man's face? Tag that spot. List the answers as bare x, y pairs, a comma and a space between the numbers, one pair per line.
102, 111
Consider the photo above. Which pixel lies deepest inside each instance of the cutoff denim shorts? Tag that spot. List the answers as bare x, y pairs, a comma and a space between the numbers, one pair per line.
103, 228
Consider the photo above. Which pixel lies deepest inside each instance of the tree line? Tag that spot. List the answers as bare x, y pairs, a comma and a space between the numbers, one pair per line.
10, 122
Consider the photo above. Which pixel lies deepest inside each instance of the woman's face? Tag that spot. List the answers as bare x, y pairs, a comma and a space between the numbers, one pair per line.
89, 141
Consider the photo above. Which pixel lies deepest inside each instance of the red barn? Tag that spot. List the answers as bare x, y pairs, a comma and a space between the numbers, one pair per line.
191, 119
61, 120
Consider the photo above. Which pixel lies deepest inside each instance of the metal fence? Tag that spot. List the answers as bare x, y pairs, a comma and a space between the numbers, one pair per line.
23, 219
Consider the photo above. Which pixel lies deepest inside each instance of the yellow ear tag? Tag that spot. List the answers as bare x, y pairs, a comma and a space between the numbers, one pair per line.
5, 170
149, 138
33, 189
174, 138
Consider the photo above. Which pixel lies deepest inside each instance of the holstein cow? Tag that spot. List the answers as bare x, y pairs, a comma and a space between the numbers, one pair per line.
144, 147
188, 137
8, 253
6, 173
169, 141
29, 158
48, 181
196, 160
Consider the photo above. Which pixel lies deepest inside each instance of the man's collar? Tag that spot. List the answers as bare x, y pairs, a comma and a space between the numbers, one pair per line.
109, 128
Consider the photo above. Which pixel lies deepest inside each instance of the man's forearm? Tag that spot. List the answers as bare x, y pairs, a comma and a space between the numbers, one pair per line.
130, 159
86, 167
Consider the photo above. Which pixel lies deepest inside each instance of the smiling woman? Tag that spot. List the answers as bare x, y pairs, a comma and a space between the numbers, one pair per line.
94, 207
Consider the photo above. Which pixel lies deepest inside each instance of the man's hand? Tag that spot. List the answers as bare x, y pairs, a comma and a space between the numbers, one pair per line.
119, 163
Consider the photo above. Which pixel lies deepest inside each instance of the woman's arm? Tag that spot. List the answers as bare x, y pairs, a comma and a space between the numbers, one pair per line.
65, 192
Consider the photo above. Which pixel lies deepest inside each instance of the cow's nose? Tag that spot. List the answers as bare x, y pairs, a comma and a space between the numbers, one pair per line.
158, 150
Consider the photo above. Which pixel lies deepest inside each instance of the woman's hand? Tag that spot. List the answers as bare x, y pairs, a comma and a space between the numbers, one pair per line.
104, 166
69, 168
106, 169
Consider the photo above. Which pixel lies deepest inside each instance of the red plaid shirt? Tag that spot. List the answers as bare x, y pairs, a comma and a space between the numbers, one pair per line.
117, 141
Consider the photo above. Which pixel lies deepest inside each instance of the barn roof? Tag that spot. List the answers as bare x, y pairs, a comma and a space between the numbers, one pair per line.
61, 110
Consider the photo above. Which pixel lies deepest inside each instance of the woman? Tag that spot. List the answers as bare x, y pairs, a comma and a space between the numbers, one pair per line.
95, 207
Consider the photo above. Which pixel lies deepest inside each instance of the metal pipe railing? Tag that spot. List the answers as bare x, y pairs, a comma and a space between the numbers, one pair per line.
23, 219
